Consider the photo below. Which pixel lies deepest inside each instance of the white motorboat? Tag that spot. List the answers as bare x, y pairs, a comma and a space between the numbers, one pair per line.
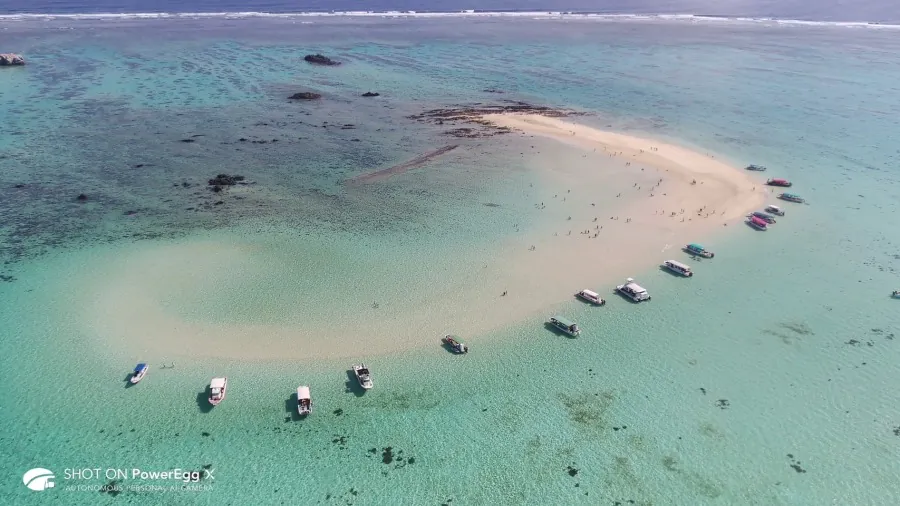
678, 267
777, 211
565, 325
456, 344
217, 389
304, 401
140, 371
633, 291
363, 376
591, 296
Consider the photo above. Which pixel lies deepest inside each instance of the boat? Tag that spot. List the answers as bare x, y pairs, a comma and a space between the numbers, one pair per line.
779, 182
591, 296
790, 197
633, 291
777, 211
217, 389
758, 168
757, 223
763, 216
566, 325
140, 371
896, 294
304, 401
363, 376
678, 267
456, 344
696, 249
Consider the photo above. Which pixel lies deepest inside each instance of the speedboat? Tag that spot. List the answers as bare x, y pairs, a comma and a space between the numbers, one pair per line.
757, 223
896, 294
140, 371
779, 182
678, 267
304, 401
217, 389
790, 197
696, 249
456, 344
633, 291
591, 296
758, 168
566, 325
777, 211
763, 216
363, 376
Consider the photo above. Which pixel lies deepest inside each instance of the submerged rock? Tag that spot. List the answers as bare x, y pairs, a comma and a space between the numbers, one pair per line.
371, 94
81, 197
305, 95
224, 180
318, 59
8, 59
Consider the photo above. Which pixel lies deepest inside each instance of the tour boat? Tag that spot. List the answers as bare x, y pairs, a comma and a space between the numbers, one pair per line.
363, 376
591, 296
758, 168
779, 182
790, 197
757, 223
304, 401
456, 344
763, 216
678, 267
217, 388
633, 291
696, 249
140, 371
566, 325
777, 211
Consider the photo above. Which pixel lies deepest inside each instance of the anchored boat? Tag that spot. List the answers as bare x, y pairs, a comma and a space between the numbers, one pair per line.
566, 325
363, 376
779, 182
758, 168
217, 389
633, 291
140, 371
591, 296
763, 216
678, 267
757, 223
777, 211
304, 401
696, 249
456, 344
896, 294
790, 197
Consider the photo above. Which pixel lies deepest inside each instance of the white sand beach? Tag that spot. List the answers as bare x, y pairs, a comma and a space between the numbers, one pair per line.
599, 225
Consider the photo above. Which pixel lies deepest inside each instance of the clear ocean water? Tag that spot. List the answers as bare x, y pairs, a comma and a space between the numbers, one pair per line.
769, 381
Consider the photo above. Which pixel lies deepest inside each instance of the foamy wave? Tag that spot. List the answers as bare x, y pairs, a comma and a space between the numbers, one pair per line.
688, 18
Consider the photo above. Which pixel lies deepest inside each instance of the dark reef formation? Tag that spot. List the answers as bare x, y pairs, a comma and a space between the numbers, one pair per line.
305, 95
474, 115
318, 59
371, 94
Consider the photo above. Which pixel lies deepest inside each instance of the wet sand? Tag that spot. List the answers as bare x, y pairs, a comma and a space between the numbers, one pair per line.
609, 206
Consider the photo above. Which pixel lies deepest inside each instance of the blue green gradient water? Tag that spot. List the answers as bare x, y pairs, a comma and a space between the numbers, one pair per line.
793, 328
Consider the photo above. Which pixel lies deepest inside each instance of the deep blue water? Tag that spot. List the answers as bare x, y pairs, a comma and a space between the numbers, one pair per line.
882, 11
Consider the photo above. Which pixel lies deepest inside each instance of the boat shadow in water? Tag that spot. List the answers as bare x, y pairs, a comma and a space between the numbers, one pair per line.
747, 223
290, 407
553, 328
203, 401
353, 386
447, 347
128, 383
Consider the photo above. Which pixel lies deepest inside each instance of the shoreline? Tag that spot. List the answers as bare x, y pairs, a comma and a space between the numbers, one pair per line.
536, 270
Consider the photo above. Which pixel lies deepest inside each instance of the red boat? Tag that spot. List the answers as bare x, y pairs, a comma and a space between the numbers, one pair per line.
778, 182
757, 223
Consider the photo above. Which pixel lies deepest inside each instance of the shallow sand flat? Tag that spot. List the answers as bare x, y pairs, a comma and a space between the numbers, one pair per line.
251, 300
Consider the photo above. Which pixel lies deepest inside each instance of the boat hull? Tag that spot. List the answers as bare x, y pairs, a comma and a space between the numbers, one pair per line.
630, 296
585, 298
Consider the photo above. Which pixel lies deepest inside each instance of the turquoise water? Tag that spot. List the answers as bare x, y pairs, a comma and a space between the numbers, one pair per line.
784, 344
